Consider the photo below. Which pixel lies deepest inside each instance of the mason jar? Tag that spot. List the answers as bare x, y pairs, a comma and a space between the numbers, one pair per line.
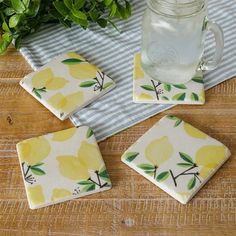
173, 37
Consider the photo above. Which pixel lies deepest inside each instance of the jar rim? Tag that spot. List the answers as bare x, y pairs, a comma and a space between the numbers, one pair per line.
193, 7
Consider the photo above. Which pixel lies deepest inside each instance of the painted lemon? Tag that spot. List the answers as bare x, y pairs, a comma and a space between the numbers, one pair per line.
72, 168
138, 71
144, 96
210, 156
90, 155
45, 78
159, 151
60, 193
83, 71
64, 135
75, 55
34, 150
204, 172
193, 132
66, 103
35, 194
202, 96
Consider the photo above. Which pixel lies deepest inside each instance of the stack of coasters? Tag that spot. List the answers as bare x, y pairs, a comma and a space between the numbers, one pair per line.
67, 84
176, 157
148, 90
61, 166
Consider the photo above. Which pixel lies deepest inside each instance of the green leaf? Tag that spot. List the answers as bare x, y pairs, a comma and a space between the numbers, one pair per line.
180, 86
108, 2
7, 37
72, 61
167, 87
102, 22
164, 98
87, 84
85, 182
14, 20
93, 15
107, 85
38, 164
130, 156
149, 172
3, 46
104, 175
163, 176
184, 164
5, 27
198, 80
194, 97
61, 8
186, 157
37, 93
178, 122
88, 188
148, 87
18, 42
18, 6
192, 183
113, 9
33, 8
179, 96
68, 3
9, 11
122, 11
146, 167
128, 9
78, 14
37, 171
89, 133
79, 4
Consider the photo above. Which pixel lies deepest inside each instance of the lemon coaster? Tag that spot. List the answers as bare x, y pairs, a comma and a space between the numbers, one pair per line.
176, 157
67, 84
148, 90
61, 166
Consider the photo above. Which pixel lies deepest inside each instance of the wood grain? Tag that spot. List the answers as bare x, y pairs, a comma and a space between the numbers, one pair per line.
134, 206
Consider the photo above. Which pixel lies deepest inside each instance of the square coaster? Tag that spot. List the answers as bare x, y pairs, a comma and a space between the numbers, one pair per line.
61, 166
148, 90
67, 84
176, 157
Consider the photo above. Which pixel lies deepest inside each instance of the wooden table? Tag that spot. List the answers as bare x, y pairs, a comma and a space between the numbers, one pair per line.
134, 206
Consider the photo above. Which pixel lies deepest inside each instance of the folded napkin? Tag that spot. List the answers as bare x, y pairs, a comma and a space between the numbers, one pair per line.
113, 53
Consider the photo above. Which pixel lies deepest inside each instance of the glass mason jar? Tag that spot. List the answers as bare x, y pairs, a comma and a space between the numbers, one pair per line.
173, 37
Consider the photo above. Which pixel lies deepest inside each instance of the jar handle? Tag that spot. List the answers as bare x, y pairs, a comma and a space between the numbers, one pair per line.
219, 39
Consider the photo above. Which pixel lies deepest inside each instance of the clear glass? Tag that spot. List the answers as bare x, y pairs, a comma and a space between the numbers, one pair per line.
173, 37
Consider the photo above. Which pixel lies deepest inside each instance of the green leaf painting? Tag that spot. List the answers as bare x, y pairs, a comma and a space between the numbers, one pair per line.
104, 174
186, 157
165, 98
179, 96
72, 61
176, 119
180, 86
107, 85
167, 87
87, 84
89, 188
38, 92
130, 156
148, 87
89, 133
192, 183
163, 176
194, 97
37, 171
198, 80
85, 182
185, 164
146, 167
38, 164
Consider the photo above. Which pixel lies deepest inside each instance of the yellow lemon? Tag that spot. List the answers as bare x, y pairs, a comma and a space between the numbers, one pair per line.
202, 96
210, 156
63, 135
59, 193
193, 132
144, 96
72, 168
34, 150
45, 78
138, 71
36, 195
66, 103
83, 71
90, 155
159, 151
75, 55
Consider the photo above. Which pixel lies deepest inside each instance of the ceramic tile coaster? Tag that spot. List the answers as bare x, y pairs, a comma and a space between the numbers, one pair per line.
148, 90
67, 84
176, 157
61, 166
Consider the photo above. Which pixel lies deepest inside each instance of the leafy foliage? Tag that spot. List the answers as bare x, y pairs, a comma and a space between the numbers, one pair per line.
19, 18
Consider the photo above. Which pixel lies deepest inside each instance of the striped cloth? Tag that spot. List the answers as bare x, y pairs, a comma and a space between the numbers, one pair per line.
113, 53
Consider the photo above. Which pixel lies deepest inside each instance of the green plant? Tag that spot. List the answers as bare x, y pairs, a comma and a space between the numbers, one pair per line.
19, 18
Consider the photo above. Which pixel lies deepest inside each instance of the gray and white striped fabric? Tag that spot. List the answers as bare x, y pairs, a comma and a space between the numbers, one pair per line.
113, 53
